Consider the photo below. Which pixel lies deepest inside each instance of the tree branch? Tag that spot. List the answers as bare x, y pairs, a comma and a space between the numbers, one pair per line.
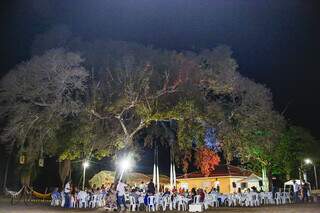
123, 126
98, 115
40, 104
141, 126
132, 105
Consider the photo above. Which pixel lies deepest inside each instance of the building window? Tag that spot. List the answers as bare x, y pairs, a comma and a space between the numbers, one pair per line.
184, 186
244, 185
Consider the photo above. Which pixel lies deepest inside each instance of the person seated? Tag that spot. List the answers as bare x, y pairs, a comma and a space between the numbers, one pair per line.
111, 199
193, 193
202, 195
82, 198
142, 186
214, 191
74, 197
56, 197
97, 191
166, 192
103, 187
174, 190
134, 194
186, 193
254, 189
239, 190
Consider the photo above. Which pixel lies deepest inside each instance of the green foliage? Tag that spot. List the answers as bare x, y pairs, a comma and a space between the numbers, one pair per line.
295, 145
131, 88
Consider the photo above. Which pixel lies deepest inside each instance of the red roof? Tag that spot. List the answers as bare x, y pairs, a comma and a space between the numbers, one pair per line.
221, 170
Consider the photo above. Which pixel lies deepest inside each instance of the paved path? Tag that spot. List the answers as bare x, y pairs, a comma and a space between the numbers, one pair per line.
6, 207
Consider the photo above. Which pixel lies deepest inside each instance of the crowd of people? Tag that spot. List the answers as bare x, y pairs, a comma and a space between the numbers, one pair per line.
113, 197
301, 192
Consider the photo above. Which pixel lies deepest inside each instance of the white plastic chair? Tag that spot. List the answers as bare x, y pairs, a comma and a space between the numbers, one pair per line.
196, 199
263, 198
55, 200
103, 199
207, 201
82, 197
181, 203
63, 200
242, 199
196, 206
151, 203
158, 201
72, 202
232, 200
215, 202
249, 199
255, 199
133, 206
286, 197
270, 199
167, 202
93, 201
100, 199
141, 202
278, 198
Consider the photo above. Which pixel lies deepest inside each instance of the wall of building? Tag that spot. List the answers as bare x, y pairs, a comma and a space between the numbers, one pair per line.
206, 183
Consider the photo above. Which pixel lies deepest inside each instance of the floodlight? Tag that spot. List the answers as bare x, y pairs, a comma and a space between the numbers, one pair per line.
308, 161
85, 164
125, 164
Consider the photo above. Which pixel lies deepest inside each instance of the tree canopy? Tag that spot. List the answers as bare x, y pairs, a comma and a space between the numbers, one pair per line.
92, 99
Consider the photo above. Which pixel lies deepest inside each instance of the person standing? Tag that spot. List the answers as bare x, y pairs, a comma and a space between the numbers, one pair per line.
217, 185
305, 190
151, 189
67, 191
121, 190
296, 189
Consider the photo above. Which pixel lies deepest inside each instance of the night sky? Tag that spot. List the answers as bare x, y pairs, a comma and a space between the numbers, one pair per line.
275, 42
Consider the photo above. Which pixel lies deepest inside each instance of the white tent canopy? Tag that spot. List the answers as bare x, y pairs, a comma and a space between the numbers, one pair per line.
290, 183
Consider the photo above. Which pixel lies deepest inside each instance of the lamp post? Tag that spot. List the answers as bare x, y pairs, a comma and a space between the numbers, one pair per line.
85, 165
309, 161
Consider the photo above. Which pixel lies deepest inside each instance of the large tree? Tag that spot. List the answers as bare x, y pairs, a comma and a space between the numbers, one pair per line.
132, 87
37, 95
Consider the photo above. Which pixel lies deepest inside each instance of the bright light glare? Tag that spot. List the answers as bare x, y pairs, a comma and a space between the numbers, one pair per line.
85, 164
125, 164
308, 161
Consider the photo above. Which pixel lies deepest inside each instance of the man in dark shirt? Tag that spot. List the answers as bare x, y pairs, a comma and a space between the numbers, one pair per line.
151, 189
305, 189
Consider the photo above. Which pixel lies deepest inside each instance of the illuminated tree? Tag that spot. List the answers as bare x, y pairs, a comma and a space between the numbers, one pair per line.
37, 95
255, 128
71, 113
206, 160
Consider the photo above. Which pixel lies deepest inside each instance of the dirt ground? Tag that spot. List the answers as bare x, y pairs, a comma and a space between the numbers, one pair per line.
6, 207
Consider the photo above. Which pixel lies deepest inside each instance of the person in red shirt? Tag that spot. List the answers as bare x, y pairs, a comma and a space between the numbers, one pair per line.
201, 193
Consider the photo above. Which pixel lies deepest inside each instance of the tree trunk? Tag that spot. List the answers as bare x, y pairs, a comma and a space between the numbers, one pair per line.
270, 180
64, 170
6, 172
265, 179
25, 178
129, 142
